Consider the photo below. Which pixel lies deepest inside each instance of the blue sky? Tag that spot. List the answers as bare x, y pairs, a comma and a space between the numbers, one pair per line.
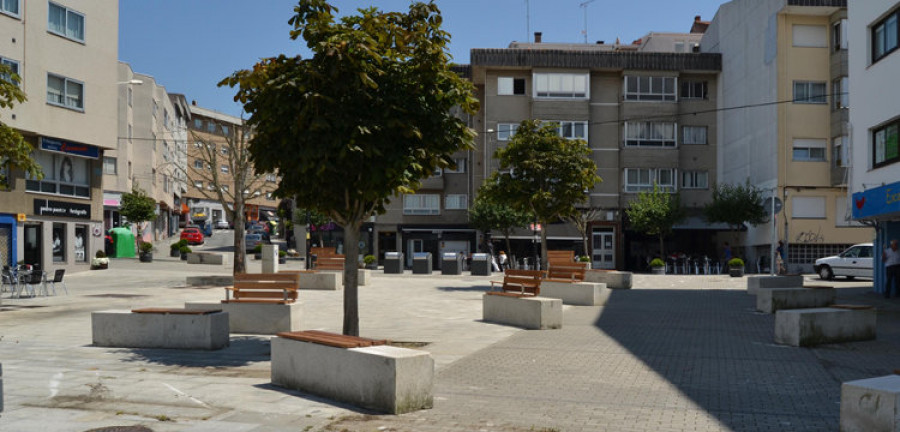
190, 45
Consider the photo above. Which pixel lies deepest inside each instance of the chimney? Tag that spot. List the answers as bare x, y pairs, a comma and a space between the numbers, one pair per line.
194, 103
537, 37
696, 18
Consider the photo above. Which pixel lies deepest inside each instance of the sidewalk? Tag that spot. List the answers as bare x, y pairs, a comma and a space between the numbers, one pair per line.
675, 353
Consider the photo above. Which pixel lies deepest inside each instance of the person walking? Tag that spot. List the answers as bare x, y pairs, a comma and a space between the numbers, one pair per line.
779, 258
503, 261
891, 258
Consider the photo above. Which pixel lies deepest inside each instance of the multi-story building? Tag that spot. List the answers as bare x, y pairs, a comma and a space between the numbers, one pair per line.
875, 120
783, 121
647, 115
211, 133
149, 153
66, 54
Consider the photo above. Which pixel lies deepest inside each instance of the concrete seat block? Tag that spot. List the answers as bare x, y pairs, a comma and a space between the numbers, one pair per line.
1, 388
612, 278
871, 404
382, 378
213, 280
364, 276
755, 283
773, 299
256, 318
810, 327
326, 280
535, 313
576, 293
208, 258
124, 329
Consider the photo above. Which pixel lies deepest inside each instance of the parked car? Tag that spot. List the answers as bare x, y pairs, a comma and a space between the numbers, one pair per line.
192, 235
856, 261
222, 224
252, 238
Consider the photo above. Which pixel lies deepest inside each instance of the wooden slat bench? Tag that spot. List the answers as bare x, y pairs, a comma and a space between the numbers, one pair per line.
523, 282
332, 339
561, 257
279, 288
571, 272
330, 262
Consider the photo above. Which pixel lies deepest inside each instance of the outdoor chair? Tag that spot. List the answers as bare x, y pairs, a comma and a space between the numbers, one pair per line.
36, 278
57, 279
7, 279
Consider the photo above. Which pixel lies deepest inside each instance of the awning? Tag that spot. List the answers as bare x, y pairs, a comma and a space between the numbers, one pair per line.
698, 223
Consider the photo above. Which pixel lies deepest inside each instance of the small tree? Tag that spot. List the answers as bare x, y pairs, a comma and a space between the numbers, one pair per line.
582, 219
654, 213
138, 208
489, 215
14, 150
543, 174
735, 205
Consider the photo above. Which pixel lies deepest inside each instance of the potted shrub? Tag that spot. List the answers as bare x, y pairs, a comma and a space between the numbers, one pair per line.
185, 250
370, 262
282, 257
175, 248
257, 251
100, 261
657, 266
736, 267
586, 260
146, 252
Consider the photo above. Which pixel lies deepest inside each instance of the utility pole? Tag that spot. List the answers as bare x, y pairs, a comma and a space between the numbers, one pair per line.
584, 6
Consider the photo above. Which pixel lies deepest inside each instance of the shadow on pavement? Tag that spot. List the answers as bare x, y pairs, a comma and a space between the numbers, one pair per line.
242, 351
718, 351
476, 288
314, 398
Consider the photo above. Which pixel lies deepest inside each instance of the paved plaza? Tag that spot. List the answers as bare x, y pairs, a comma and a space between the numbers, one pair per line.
676, 353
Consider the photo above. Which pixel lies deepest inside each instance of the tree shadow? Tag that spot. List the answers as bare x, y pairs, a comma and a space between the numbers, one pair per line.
242, 351
475, 288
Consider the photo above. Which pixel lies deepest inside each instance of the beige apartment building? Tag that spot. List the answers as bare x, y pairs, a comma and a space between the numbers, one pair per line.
783, 122
66, 54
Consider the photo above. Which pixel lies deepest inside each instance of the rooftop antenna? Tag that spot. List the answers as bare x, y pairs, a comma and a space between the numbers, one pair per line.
584, 6
527, 20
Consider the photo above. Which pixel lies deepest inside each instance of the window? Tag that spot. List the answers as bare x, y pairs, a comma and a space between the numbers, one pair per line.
460, 166
155, 108
839, 35
59, 242
510, 86
456, 202
644, 88
63, 175
66, 22
225, 130
561, 85
225, 188
269, 196
810, 36
694, 180
130, 96
65, 92
572, 129
809, 150
650, 134
211, 186
224, 168
224, 150
884, 36
198, 124
839, 151
693, 135
808, 207
210, 127
886, 146
840, 94
643, 179
422, 204
13, 68
809, 92
109, 165
198, 184
506, 130
270, 178
693, 89
81, 234
198, 164
10, 7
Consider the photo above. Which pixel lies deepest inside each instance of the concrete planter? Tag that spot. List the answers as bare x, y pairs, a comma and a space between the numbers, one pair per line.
658, 270
736, 272
146, 257
174, 253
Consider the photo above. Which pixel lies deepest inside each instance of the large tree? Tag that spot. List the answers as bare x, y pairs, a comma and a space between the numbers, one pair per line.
489, 215
654, 213
362, 120
14, 150
543, 174
735, 205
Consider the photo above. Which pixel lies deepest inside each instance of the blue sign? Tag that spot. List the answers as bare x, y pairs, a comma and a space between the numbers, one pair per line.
68, 147
876, 202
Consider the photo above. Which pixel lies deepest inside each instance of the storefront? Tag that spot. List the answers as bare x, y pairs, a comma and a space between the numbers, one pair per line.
58, 234
8, 239
880, 206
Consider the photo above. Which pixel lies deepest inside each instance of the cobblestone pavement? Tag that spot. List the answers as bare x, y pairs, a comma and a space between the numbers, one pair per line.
677, 353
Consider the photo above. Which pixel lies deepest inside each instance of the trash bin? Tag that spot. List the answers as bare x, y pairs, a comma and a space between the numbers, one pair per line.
451, 263
481, 264
422, 263
393, 262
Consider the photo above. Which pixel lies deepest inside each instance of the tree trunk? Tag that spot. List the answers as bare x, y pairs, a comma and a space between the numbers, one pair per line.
544, 245
351, 279
662, 252
240, 245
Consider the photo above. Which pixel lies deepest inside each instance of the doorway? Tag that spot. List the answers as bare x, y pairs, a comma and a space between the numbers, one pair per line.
32, 242
603, 255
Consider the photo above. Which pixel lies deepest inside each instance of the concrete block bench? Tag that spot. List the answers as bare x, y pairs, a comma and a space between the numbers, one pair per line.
576, 293
213, 280
612, 278
160, 328
363, 372
810, 327
208, 258
255, 318
754, 283
771, 300
530, 312
319, 280
871, 404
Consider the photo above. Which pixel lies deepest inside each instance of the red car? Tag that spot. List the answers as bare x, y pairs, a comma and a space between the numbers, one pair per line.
192, 235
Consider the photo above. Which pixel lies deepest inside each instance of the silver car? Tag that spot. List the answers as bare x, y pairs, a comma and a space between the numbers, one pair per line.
856, 261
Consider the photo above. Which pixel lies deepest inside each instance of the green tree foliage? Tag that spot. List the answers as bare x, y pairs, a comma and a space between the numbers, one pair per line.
14, 150
654, 213
138, 208
543, 174
582, 219
489, 215
364, 119
736, 205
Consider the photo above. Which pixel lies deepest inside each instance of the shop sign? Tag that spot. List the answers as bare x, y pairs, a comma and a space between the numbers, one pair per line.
62, 209
68, 147
877, 202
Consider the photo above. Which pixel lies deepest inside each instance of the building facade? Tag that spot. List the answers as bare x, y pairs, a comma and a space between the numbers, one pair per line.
875, 121
66, 54
783, 122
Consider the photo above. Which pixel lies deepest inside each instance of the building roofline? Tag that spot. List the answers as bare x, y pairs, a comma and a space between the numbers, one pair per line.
552, 58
